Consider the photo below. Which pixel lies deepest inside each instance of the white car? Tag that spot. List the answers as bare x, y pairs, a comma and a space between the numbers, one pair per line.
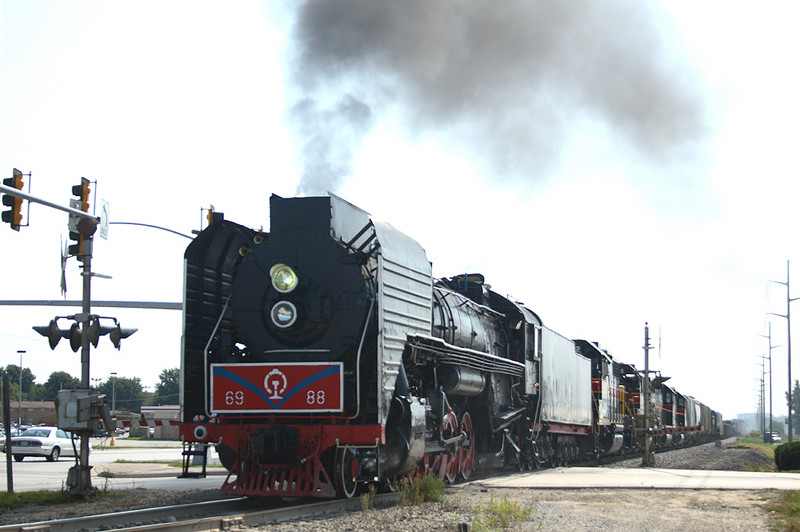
50, 442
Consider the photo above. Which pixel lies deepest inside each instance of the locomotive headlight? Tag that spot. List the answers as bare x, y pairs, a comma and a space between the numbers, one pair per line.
283, 314
284, 279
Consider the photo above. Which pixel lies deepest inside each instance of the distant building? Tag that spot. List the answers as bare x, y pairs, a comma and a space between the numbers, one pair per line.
33, 412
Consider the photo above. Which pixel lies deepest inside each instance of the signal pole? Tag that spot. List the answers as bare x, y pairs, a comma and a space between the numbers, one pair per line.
83, 484
82, 226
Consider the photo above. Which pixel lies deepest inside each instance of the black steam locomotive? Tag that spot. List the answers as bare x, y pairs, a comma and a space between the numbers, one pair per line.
323, 355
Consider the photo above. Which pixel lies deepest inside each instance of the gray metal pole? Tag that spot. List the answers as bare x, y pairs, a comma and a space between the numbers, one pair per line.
7, 421
646, 459
113, 393
19, 411
770, 379
768, 336
84, 484
789, 348
788, 344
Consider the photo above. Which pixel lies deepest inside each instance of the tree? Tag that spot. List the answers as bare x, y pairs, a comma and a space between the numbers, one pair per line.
28, 384
123, 393
58, 380
168, 388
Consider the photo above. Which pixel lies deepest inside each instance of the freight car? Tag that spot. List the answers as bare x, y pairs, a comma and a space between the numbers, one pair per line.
323, 355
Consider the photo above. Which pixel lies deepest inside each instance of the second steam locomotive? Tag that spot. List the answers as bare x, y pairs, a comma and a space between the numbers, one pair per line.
323, 355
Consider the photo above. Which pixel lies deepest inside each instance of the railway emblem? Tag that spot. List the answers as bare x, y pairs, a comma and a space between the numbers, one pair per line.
287, 387
275, 383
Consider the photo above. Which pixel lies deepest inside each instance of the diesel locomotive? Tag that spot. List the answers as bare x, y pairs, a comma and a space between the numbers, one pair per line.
322, 355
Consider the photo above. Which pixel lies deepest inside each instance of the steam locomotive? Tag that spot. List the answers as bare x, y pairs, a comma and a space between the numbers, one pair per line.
323, 356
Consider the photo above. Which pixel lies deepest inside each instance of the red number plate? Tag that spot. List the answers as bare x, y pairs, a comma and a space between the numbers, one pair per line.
300, 387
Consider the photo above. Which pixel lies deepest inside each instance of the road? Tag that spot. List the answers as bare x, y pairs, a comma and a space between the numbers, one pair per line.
138, 471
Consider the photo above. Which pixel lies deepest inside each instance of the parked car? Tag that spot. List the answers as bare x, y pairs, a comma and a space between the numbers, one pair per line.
50, 442
775, 437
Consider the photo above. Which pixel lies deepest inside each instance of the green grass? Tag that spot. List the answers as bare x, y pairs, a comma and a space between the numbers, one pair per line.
11, 501
767, 449
786, 511
756, 443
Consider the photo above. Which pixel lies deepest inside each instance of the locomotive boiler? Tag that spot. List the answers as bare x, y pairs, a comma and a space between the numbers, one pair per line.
322, 355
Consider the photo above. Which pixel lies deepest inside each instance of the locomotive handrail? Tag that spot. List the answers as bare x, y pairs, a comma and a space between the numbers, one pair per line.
205, 353
445, 352
358, 360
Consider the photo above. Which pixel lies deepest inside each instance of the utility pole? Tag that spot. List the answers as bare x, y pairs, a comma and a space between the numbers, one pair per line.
771, 347
647, 459
761, 406
788, 343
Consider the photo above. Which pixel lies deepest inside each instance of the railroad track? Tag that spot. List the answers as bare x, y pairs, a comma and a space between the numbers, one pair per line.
211, 515
230, 513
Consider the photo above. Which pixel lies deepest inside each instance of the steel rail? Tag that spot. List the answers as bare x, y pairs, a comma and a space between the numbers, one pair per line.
211, 515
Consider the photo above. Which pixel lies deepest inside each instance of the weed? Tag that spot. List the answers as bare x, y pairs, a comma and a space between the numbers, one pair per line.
424, 488
500, 514
368, 499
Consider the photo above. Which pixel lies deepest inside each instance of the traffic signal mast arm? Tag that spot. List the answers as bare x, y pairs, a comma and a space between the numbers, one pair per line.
11, 191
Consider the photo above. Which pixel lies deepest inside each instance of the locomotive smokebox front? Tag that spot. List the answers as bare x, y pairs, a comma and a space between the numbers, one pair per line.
300, 291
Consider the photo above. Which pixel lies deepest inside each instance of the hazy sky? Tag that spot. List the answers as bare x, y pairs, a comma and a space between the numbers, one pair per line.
608, 164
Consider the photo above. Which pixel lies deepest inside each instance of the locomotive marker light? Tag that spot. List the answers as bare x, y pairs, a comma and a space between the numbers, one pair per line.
284, 279
284, 314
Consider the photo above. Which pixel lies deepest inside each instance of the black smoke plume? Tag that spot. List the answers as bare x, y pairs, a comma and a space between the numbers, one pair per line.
501, 80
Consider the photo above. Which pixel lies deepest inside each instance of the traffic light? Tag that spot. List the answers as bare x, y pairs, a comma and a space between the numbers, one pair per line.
82, 192
213, 216
13, 216
81, 202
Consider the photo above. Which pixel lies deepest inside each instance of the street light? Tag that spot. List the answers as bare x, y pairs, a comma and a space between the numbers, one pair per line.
19, 412
114, 392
